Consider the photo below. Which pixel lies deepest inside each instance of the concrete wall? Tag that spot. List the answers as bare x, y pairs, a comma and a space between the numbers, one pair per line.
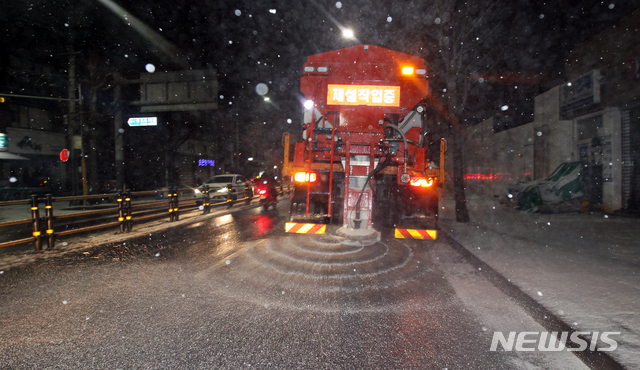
492, 160
612, 198
610, 136
534, 150
554, 141
530, 151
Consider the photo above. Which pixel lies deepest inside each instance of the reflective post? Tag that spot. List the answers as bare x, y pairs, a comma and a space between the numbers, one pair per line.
176, 202
51, 236
173, 205
206, 200
229, 196
247, 194
35, 217
121, 212
128, 211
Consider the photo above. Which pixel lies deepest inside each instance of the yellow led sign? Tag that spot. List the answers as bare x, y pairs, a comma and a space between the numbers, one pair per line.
371, 95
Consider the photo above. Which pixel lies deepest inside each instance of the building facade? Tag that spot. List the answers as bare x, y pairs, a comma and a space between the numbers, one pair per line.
594, 117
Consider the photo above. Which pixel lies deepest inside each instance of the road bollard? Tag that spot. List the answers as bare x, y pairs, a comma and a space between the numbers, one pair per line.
247, 194
206, 200
128, 210
35, 217
51, 236
121, 213
174, 214
171, 204
230, 192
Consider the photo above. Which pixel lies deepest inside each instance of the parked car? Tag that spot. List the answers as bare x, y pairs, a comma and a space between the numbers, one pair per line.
219, 188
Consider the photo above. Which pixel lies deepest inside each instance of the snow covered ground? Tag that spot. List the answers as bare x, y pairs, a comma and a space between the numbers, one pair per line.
583, 267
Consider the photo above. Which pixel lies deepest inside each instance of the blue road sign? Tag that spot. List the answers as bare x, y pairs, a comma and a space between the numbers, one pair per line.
143, 121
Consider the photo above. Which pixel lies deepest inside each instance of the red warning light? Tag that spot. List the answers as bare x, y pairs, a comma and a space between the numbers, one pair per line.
64, 155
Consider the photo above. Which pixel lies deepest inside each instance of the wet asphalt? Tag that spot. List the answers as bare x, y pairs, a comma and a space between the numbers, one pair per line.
237, 292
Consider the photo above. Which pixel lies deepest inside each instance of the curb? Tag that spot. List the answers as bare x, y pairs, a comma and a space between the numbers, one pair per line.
546, 318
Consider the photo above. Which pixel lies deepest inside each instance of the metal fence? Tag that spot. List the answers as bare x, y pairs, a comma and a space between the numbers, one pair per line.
100, 211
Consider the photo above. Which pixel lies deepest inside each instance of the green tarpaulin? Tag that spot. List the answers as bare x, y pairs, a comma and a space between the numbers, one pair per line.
564, 184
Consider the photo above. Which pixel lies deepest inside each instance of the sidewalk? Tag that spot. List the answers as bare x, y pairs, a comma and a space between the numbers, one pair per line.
585, 268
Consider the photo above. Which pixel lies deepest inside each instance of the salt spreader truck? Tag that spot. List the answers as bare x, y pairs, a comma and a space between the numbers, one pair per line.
364, 156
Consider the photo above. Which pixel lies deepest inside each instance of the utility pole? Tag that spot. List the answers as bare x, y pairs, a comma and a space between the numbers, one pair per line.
71, 129
85, 190
118, 132
237, 147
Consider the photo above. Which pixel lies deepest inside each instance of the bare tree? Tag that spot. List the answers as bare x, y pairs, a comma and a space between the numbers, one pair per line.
459, 40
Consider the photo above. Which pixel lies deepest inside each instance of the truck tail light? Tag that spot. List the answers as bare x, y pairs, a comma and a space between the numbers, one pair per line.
407, 71
425, 183
305, 177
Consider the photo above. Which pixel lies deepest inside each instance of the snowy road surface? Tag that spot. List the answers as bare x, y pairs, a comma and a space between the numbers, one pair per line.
235, 291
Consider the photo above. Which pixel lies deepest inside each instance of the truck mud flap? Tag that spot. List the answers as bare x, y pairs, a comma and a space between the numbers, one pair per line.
426, 234
304, 228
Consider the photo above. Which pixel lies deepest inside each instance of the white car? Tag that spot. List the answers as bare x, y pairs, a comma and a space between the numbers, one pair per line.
219, 188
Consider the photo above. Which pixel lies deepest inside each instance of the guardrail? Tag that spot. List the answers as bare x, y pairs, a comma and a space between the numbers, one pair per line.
107, 210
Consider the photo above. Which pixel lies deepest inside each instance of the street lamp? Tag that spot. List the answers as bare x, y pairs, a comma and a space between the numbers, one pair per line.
348, 33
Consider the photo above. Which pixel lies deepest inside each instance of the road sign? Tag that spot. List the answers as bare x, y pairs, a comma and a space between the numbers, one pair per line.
143, 121
64, 155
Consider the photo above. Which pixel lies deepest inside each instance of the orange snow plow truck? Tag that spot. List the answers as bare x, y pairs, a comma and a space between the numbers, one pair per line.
364, 159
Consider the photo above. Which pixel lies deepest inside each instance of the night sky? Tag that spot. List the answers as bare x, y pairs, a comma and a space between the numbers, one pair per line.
252, 42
